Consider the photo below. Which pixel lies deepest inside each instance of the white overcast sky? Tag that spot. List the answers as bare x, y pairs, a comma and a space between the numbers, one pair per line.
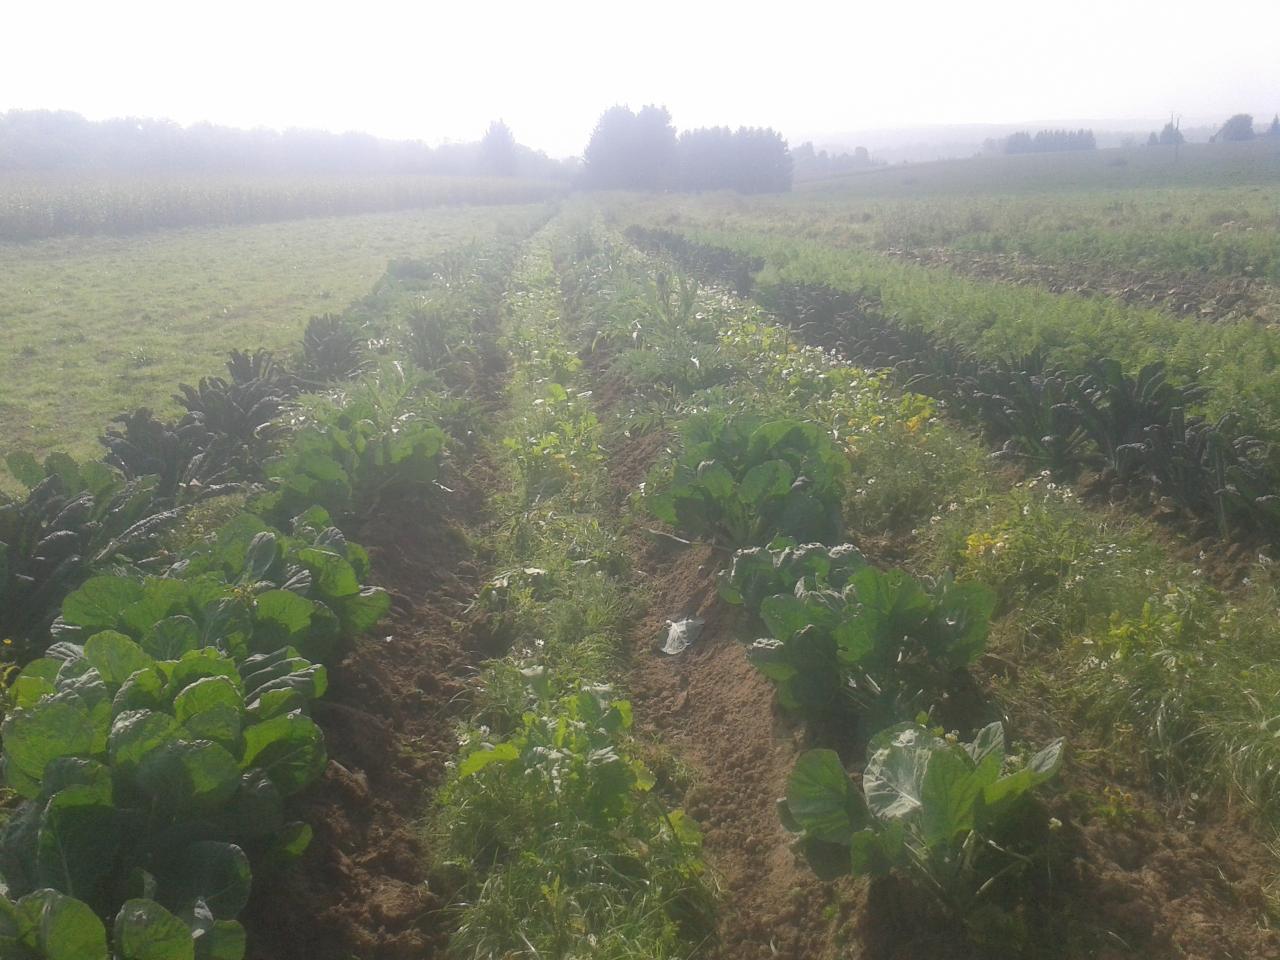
439, 71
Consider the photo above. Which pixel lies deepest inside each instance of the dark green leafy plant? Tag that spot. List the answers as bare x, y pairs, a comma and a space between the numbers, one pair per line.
235, 414
744, 480
188, 463
784, 566
251, 591
1027, 405
611, 858
260, 366
1117, 409
351, 458
47, 925
332, 349
155, 778
884, 645
1193, 461
943, 813
74, 518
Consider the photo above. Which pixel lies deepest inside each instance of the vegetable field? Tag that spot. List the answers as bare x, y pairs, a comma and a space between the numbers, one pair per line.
644, 578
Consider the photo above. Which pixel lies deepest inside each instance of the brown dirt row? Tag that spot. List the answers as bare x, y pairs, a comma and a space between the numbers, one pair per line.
713, 710
1210, 298
360, 891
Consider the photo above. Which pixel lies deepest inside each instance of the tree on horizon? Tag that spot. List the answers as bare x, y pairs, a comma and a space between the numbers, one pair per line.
498, 154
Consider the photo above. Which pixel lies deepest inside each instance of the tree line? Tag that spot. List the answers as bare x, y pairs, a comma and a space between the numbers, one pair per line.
640, 150
1049, 141
811, 164
48, 140
1240, 128
1236, 129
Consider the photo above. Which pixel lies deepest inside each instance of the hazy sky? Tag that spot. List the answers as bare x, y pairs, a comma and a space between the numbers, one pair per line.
442, 70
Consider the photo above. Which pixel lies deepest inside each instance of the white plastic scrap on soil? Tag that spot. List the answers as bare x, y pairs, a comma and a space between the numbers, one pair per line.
680, 634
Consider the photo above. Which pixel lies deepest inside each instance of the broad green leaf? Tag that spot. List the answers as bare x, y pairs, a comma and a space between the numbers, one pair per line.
716, 480
206, 662
137, 733
35, 681
169, 638
225, 941
115, 657
274, 703
62, 927
289, 749
892, 601
256, 809
776, 438
331, 575
819, 798
144, 930
266, 675
828, 861
50, 729
214, 872
190, 777
359, 613
313, 518
967, 609
75, 772
805, 517
234, 539
477, 761
855, 641
785, 615
145, 690
78, 841
818, 680
1005, 792
101, 602
211, 709
1045, 764
663, 506
281, 615
765, 481
948, 794
874, 854
161, 597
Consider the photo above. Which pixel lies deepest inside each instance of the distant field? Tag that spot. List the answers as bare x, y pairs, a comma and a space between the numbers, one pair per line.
34, 206
96, 326
1078, 254
1194, 164
1210, 209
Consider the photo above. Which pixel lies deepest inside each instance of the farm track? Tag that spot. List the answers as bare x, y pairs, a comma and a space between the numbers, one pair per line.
1206, 297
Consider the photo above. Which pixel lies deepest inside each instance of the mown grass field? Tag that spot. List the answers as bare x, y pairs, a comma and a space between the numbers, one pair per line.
95, 326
